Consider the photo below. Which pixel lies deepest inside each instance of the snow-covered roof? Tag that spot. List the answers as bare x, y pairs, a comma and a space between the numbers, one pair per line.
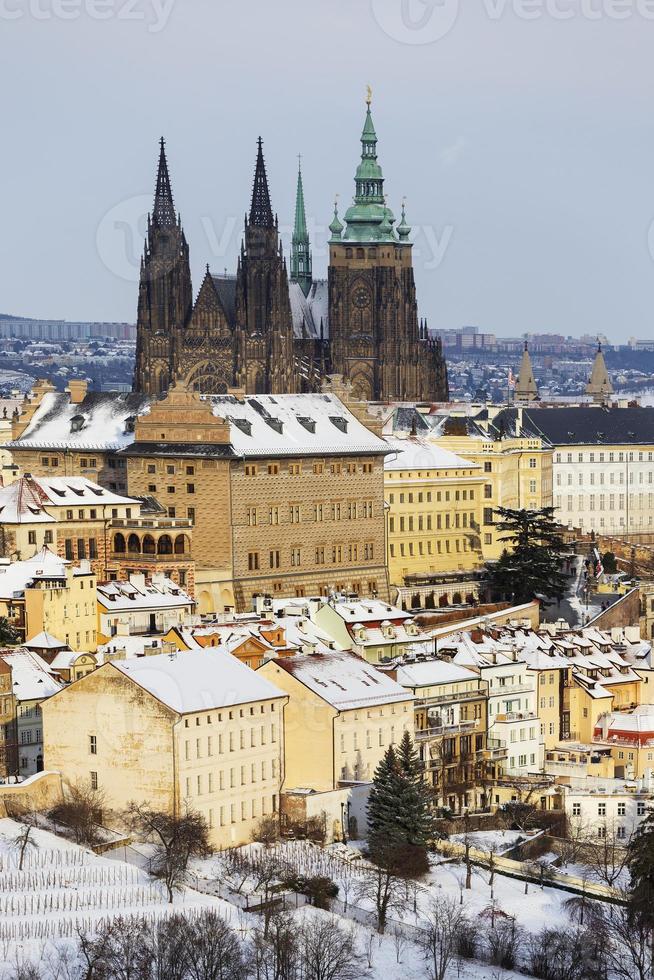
19, 575
45, 641
639, 721
139, 594
343, 680
369, 610
30, 675
198, 680
418, 454
26, 500
433, 672
304, 424
66, 658
101, 421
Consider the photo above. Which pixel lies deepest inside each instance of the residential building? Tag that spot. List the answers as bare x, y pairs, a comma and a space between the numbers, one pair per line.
341, 716
516, 463
512, 698
141, 606
46, 593
250, 639
8, 737
286, 492
603, 465
32, 683
434, 513
76, 433
373, 629
609, 809
451, 731
197, 728
79, 520
630, 737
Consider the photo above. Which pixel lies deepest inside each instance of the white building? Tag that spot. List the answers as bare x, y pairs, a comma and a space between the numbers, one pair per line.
607, 808
142, 606
32, 682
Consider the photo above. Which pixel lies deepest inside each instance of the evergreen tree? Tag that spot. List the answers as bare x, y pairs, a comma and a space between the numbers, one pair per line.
531, 567
8, 635
400, 819
641, 871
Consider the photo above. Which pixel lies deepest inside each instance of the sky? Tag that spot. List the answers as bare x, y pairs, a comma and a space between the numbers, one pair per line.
520, 132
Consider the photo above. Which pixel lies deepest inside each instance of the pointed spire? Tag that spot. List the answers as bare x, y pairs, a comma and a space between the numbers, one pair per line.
403, 229
526, 389
336, 227
260, 210
301, 265
163, 212
599, 385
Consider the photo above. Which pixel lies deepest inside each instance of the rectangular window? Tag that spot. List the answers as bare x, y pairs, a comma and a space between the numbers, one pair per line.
93, 744
94, 779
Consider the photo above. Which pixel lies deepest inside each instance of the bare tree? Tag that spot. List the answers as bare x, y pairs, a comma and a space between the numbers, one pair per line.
503, 939
214, 951
400, 943
127, 951
445, 923
276, 955
80, 812
266, 830
168, 944
628, 946
329, 951
608, 857
387, 892
24, 839
176, 840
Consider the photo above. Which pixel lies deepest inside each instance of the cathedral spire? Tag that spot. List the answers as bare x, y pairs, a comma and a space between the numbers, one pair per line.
369, 220
300, 252
526, 389
599, 385
163, 212
260, 210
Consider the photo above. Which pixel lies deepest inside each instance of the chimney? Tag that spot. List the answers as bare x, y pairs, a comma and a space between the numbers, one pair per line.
77, 389
477, 636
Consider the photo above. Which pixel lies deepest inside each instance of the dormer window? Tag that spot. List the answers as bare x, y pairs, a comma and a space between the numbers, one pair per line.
339, 422
244, 425
130, 424
77, 423
307, 423
276, 424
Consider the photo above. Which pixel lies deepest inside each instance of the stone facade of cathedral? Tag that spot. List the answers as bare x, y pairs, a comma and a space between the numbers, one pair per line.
263, 332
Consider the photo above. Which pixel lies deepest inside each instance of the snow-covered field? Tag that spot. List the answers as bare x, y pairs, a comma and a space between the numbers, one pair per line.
63, 888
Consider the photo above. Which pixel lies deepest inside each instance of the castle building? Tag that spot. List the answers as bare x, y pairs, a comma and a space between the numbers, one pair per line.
263, 331
526, 389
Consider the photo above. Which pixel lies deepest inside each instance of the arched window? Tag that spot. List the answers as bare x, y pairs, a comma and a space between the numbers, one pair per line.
148, 545
119, 544
165, 545
134, 545
456, 599
180, 544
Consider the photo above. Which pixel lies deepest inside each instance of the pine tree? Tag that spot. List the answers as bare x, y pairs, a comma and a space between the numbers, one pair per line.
532, 567
400, 819
8, 635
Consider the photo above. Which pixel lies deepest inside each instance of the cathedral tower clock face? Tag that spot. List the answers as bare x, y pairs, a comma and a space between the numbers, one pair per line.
361, 298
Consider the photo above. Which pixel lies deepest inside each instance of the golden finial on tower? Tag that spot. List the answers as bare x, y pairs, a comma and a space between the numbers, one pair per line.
368, 95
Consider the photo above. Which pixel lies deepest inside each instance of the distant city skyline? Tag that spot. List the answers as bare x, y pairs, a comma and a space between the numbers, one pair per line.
524, 149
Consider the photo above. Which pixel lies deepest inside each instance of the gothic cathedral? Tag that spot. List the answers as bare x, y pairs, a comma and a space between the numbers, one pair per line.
261, 331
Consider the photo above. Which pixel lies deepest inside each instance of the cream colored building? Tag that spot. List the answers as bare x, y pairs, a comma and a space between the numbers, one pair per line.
603, 465
434, 500
197, 728
49, 594
515, 464
342, 714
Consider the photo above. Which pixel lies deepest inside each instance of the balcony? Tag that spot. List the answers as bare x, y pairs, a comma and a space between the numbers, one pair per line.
509, 716
438, 731
451, 698
502, 690
152, 522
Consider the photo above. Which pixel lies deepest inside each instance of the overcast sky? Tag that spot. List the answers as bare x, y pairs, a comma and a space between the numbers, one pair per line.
520, 131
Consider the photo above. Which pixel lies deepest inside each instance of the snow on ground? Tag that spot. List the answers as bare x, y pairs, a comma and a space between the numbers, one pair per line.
63, 887
498, 841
